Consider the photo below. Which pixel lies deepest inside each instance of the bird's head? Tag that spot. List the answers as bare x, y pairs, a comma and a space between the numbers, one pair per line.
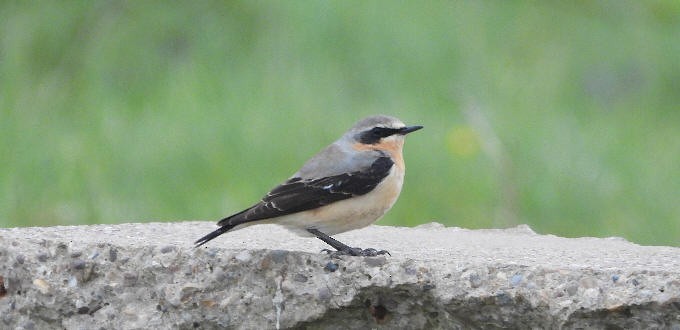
379, 133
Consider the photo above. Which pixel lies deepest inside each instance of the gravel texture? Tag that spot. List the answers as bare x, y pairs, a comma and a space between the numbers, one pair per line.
148, 276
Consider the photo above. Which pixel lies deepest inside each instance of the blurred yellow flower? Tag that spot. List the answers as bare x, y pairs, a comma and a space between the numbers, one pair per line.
463, 141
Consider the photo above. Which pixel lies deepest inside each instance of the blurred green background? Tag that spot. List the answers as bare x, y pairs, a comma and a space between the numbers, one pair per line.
561, 115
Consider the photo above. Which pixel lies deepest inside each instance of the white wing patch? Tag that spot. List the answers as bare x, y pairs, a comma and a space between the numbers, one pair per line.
272, 204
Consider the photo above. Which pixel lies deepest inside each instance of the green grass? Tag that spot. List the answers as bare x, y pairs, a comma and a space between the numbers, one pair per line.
564, 116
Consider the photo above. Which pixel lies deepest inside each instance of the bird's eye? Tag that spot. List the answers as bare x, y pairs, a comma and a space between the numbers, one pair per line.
374, 135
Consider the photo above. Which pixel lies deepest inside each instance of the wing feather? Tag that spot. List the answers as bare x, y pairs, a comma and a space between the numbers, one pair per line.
297, 195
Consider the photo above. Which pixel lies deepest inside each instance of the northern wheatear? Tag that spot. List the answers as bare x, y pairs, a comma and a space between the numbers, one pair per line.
348, 185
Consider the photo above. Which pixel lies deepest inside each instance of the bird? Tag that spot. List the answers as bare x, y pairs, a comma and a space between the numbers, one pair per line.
348, 185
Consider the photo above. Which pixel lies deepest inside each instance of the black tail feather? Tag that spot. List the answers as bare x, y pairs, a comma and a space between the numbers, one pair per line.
212, 235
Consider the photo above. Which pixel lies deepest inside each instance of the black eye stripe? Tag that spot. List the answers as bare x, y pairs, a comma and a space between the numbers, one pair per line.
374, 134
383, 131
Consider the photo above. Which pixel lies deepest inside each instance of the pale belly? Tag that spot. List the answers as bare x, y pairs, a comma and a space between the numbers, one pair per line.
349, 214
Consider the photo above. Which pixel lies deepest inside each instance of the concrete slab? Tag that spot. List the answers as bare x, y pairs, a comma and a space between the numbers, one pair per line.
134, 276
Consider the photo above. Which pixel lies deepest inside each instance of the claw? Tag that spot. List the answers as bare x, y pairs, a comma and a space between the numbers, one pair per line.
370, 252
355, 252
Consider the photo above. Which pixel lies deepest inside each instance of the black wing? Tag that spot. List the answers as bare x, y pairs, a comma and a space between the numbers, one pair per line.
296, 195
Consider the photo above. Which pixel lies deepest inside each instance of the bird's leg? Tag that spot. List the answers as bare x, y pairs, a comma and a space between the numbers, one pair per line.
329, 240
343, 249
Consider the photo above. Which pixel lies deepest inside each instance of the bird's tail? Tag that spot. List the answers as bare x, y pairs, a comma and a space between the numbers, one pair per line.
212, 235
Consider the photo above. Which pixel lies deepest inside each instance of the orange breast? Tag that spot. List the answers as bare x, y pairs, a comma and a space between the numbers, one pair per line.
393, 147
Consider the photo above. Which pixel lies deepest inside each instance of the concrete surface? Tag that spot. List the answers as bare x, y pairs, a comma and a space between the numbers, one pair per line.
148, 276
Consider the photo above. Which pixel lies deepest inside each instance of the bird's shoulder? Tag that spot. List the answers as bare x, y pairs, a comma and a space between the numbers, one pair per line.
337, 159
352, 182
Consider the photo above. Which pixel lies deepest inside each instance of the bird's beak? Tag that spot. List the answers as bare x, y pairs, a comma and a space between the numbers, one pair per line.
409, 129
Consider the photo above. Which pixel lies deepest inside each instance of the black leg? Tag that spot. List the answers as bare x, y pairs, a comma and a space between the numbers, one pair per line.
343, 249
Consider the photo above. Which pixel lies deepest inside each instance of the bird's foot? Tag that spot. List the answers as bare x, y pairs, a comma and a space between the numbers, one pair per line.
355, 252
343, 249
